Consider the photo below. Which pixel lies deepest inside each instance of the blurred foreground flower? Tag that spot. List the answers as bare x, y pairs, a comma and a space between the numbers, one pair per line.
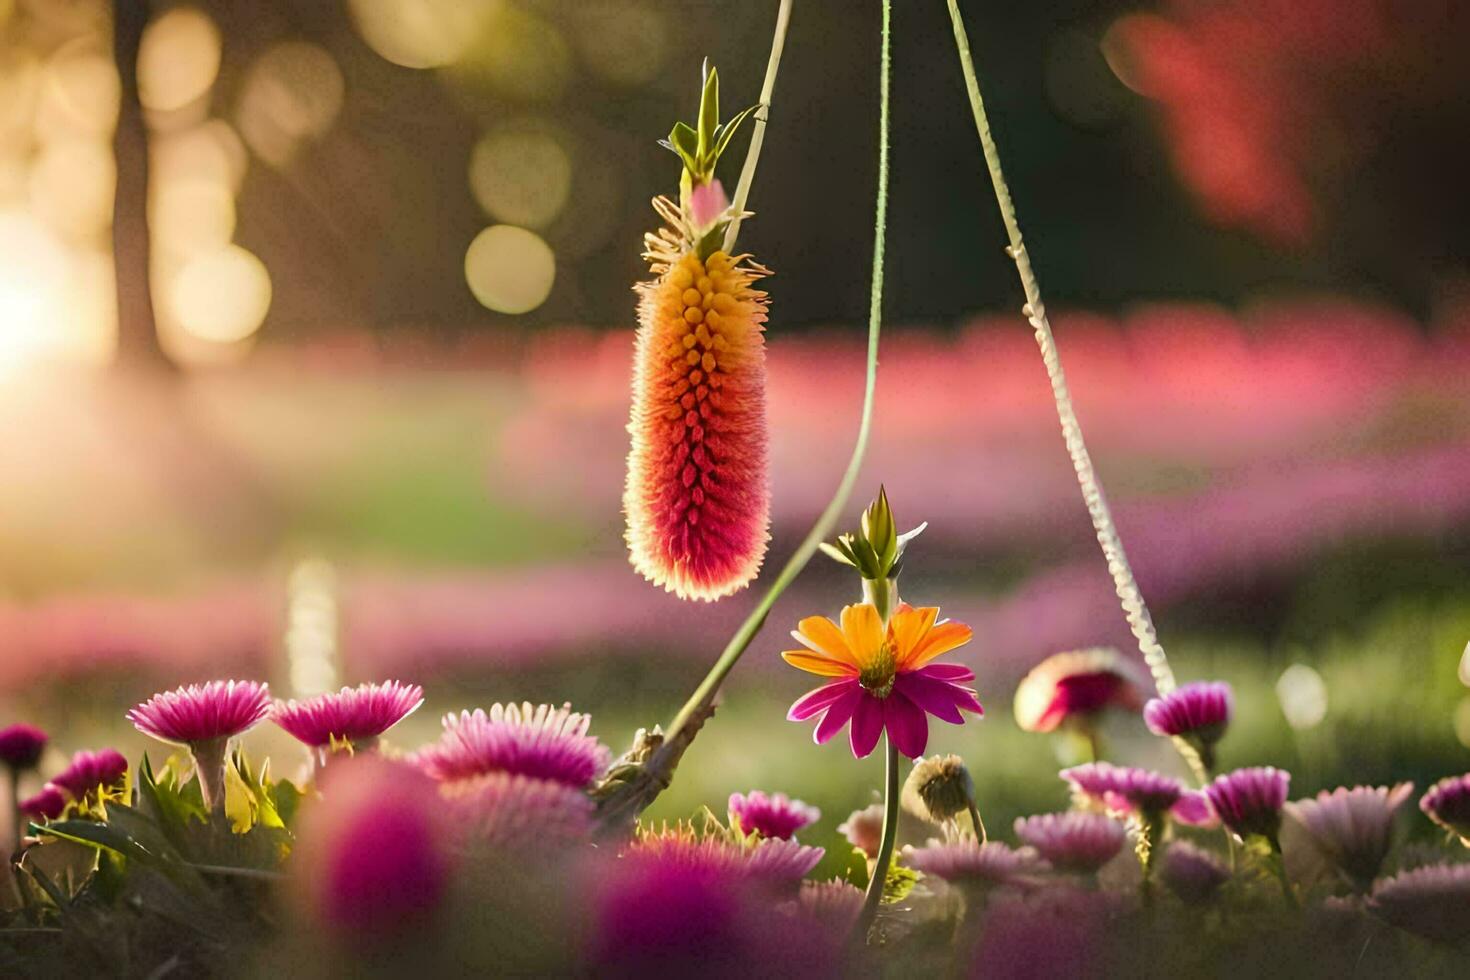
888, 683
45, 805
1432, 901
355, 715
1448, 804
697, 497
505, 810
864, 829
772, 861
770, 815
1353, 828
204, 717
369, 862
1193, 873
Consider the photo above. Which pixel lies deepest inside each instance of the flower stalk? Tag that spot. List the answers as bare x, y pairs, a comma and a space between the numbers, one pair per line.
879, 879
651, 763
1140, 622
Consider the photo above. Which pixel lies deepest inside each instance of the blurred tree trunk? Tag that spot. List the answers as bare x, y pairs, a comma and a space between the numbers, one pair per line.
137, 329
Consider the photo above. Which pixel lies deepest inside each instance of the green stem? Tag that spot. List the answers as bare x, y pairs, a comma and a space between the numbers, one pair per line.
1124, 583
20, 821
703, 696
874, 895
758, 135
980, 835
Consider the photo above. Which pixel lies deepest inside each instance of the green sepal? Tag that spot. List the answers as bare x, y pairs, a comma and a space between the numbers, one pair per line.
899, 883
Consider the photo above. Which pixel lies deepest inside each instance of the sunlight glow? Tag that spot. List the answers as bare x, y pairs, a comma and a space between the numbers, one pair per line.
1303, 696
179, 59
421, 33
521, 176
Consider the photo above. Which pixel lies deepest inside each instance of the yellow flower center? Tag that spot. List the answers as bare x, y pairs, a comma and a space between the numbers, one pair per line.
877, 677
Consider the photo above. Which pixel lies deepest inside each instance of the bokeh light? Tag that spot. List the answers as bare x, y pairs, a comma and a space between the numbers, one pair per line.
521, 176
421, 33
292, 93
34, 276
623, 41
509, 269
79, 92
192, 214
221, 296
71, 187
520, 56
1303, 696
179, 59
312, 628
212, 151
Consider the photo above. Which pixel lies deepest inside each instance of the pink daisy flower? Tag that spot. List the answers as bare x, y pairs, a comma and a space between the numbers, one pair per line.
1448, 804
1198, 712
1249, 801
354, 714
202, 713
45, 805
21, 746
1193, 873
886, 681
967, 862
1432, 901
89, 771
1076, 841
529, 740
1128, 791
205, 717
770, 815
504, 810
1078, 684
1353, 828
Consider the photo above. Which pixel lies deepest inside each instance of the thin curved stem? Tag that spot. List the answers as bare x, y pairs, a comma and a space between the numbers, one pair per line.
874, 896
1124, 583
698, 704
758, 135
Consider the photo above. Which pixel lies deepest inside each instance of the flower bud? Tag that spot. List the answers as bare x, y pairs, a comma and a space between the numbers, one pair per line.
939, 788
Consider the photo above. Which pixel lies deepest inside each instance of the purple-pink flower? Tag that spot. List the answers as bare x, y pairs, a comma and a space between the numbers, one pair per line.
540, 741
1075, 841
1432, 901
1198, 712
833, 905
1448, 804
200, 713
354, 714
45, 805
1077, 684
501, 809
770, 815
1193, 873
1126, 790
89, 771
21, 746
1249, 801
967, 862
885, 681
1353, 828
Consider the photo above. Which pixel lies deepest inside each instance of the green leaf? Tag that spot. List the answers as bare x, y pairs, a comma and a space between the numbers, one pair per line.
709, 114
728, 130
836, 552
98, 835
165, 804
684, 141
142, 830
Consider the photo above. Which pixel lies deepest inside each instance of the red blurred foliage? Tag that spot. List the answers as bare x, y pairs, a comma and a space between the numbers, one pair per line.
1267, 102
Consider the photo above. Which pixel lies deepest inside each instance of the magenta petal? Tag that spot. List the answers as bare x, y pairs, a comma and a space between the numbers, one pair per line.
907, 725
954, 673
838, 714
814, 701
931, 695
1194, 809
867, 725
